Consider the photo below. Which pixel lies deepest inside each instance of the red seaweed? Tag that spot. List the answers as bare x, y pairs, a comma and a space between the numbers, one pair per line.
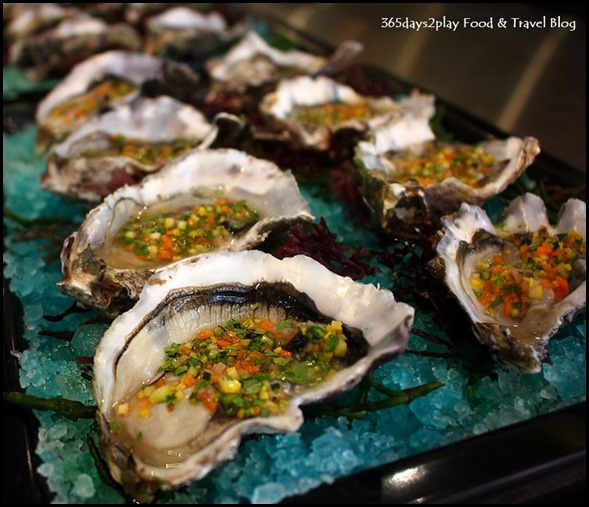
319, 243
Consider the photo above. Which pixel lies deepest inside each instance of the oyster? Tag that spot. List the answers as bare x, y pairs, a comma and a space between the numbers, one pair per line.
253, 62
313, 109
206, 200
519, 281
35, 19
408, 179
183, 33
271, 311
54, 52
138, 13
103, 81
12, 10
406, 126
123, 146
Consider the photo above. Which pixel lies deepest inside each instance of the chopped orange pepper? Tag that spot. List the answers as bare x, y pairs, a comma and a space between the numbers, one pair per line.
165, 255
143, 403
205, 333
544, 249
485, 299
267, 325
561, 288
188, 380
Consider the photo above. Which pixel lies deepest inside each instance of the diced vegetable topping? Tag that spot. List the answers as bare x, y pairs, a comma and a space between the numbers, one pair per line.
438, 162
77, 110
533, 268
244, 368
189, 230
331, 114
144, 152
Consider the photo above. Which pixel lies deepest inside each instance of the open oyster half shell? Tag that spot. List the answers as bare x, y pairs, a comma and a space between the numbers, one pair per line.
397, 202
95, 271
253, 62
87, 166
469, 236
185, 444
36, 18
183, 33
161, 76
284, 106
52, 53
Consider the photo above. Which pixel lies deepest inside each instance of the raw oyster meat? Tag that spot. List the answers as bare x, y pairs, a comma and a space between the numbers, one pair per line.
313, 109
253, 62
183, 33
123, 146
519, 281
206, 200
234, 343
408, 179
102, 81
54, 52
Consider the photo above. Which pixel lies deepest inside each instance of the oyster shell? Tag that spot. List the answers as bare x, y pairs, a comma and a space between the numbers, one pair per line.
253, 62
406, 126
313, 109
37, 18
100, 272
138, 13
176, 306
408, 180
12, 10
184, 33
110, 150
516, 334
54, 52
58, 115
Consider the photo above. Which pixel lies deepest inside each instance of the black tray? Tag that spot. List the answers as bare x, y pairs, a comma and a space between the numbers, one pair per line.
537, 461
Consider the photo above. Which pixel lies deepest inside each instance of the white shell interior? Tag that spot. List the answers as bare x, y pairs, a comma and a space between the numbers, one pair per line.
314, 91
399, 130
157, 120
511, 157
273, 192
134, 67
80, 25
186, 18
26, 22
248, 48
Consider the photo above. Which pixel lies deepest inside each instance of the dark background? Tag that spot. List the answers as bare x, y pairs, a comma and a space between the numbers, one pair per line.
526, 82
